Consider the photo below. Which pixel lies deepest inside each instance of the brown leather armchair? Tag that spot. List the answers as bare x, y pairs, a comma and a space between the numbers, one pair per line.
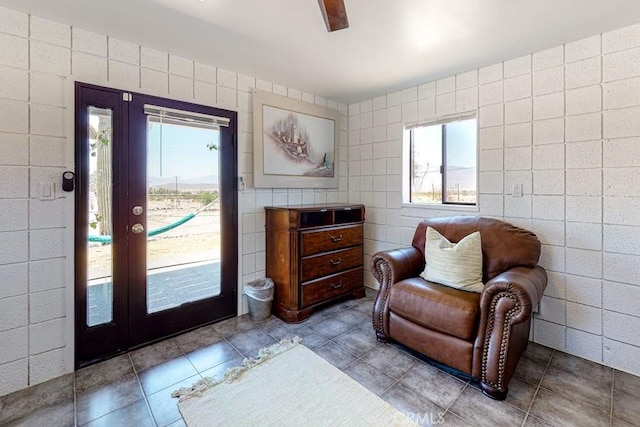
479, 334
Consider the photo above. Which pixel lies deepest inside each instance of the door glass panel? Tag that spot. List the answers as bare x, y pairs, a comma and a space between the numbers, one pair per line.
100, 220
183, 214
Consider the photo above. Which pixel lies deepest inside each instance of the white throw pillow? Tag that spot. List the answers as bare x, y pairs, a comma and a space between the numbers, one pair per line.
458, 265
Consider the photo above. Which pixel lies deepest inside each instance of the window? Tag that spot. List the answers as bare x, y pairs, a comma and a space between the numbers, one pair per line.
441, 162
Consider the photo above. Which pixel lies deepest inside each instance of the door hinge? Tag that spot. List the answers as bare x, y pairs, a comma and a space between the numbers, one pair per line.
126, 97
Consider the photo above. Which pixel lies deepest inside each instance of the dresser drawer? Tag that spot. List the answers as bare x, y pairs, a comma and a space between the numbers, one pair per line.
329, 287
314, 242
330, 263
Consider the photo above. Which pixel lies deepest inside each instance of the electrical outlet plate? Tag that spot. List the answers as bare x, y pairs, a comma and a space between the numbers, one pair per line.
517, 190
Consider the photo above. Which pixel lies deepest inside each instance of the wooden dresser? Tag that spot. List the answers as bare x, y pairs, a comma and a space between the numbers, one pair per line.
314, 255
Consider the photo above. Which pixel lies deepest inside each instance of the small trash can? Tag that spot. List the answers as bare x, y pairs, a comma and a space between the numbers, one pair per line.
259, 296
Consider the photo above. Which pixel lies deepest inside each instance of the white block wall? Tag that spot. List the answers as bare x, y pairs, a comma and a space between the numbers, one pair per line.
39, 60
564, 123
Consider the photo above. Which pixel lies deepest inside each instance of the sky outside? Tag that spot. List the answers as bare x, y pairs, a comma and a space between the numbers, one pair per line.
182, 151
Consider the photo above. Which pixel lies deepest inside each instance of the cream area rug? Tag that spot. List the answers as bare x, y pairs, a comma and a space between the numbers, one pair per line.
286, 385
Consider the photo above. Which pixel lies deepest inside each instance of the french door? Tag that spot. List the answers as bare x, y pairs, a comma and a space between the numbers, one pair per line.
156, 219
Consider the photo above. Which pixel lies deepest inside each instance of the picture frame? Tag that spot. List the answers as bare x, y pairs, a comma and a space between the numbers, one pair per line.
295, 144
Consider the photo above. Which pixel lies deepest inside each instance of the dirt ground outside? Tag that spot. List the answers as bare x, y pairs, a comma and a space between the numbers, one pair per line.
197, 240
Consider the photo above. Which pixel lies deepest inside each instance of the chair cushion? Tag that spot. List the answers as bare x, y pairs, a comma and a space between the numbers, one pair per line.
438, 307
458, 265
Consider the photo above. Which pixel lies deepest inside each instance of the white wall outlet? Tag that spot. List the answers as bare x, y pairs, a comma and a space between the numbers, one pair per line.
517, 190
537, 310
240, 183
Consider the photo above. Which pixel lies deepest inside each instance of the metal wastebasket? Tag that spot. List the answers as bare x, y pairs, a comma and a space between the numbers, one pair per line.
259, 297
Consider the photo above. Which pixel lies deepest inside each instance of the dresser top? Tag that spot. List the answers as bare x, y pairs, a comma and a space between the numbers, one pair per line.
318, 206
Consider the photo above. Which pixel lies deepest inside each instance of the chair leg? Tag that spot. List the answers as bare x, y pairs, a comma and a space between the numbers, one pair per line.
382, 337
492, 392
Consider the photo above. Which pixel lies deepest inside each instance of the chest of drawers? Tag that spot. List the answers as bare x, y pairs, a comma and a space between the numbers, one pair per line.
314, 255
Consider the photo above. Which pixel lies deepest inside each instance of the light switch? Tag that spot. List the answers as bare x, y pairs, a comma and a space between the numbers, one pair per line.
47, 191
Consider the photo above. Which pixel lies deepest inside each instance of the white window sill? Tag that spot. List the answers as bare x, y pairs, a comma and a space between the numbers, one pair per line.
416, 210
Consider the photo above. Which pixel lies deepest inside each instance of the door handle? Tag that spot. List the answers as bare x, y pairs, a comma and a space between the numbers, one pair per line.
335, 261
337, 285
137, 228
336, 238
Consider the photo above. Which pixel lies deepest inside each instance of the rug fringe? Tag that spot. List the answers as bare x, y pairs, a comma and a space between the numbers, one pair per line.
234, 373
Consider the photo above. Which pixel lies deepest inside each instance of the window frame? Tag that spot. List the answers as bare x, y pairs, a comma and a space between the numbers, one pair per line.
407, 174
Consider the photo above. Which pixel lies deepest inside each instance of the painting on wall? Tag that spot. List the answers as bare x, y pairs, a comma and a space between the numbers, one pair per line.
295, 143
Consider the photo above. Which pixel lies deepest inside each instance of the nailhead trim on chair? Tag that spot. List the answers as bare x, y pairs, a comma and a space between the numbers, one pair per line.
379, 270
500, 386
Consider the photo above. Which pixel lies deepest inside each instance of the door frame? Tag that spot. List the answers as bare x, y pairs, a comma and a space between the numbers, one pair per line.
124, 333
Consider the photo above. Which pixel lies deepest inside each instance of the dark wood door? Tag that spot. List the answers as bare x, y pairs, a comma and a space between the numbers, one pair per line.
156, 219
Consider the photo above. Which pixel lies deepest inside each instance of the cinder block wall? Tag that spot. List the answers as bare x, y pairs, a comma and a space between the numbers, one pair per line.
564, 123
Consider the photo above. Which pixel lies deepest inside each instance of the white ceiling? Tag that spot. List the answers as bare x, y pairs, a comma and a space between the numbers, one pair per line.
390, 44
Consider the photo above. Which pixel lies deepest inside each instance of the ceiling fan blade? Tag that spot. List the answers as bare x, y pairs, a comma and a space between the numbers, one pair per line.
334, 14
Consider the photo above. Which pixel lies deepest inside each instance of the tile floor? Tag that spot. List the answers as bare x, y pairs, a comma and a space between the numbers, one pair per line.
550, 388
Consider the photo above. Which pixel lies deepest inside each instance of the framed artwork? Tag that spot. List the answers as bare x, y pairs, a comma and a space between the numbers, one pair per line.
295, 144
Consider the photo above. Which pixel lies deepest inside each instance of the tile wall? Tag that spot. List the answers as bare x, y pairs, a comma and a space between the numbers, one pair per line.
564, 123
39, 60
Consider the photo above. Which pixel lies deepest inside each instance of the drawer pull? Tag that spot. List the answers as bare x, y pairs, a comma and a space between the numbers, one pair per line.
335, 261
337, 285
336, 238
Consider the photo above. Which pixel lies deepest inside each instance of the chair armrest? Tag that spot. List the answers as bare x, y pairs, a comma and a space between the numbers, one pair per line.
524, 285
389, 267
506, 304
